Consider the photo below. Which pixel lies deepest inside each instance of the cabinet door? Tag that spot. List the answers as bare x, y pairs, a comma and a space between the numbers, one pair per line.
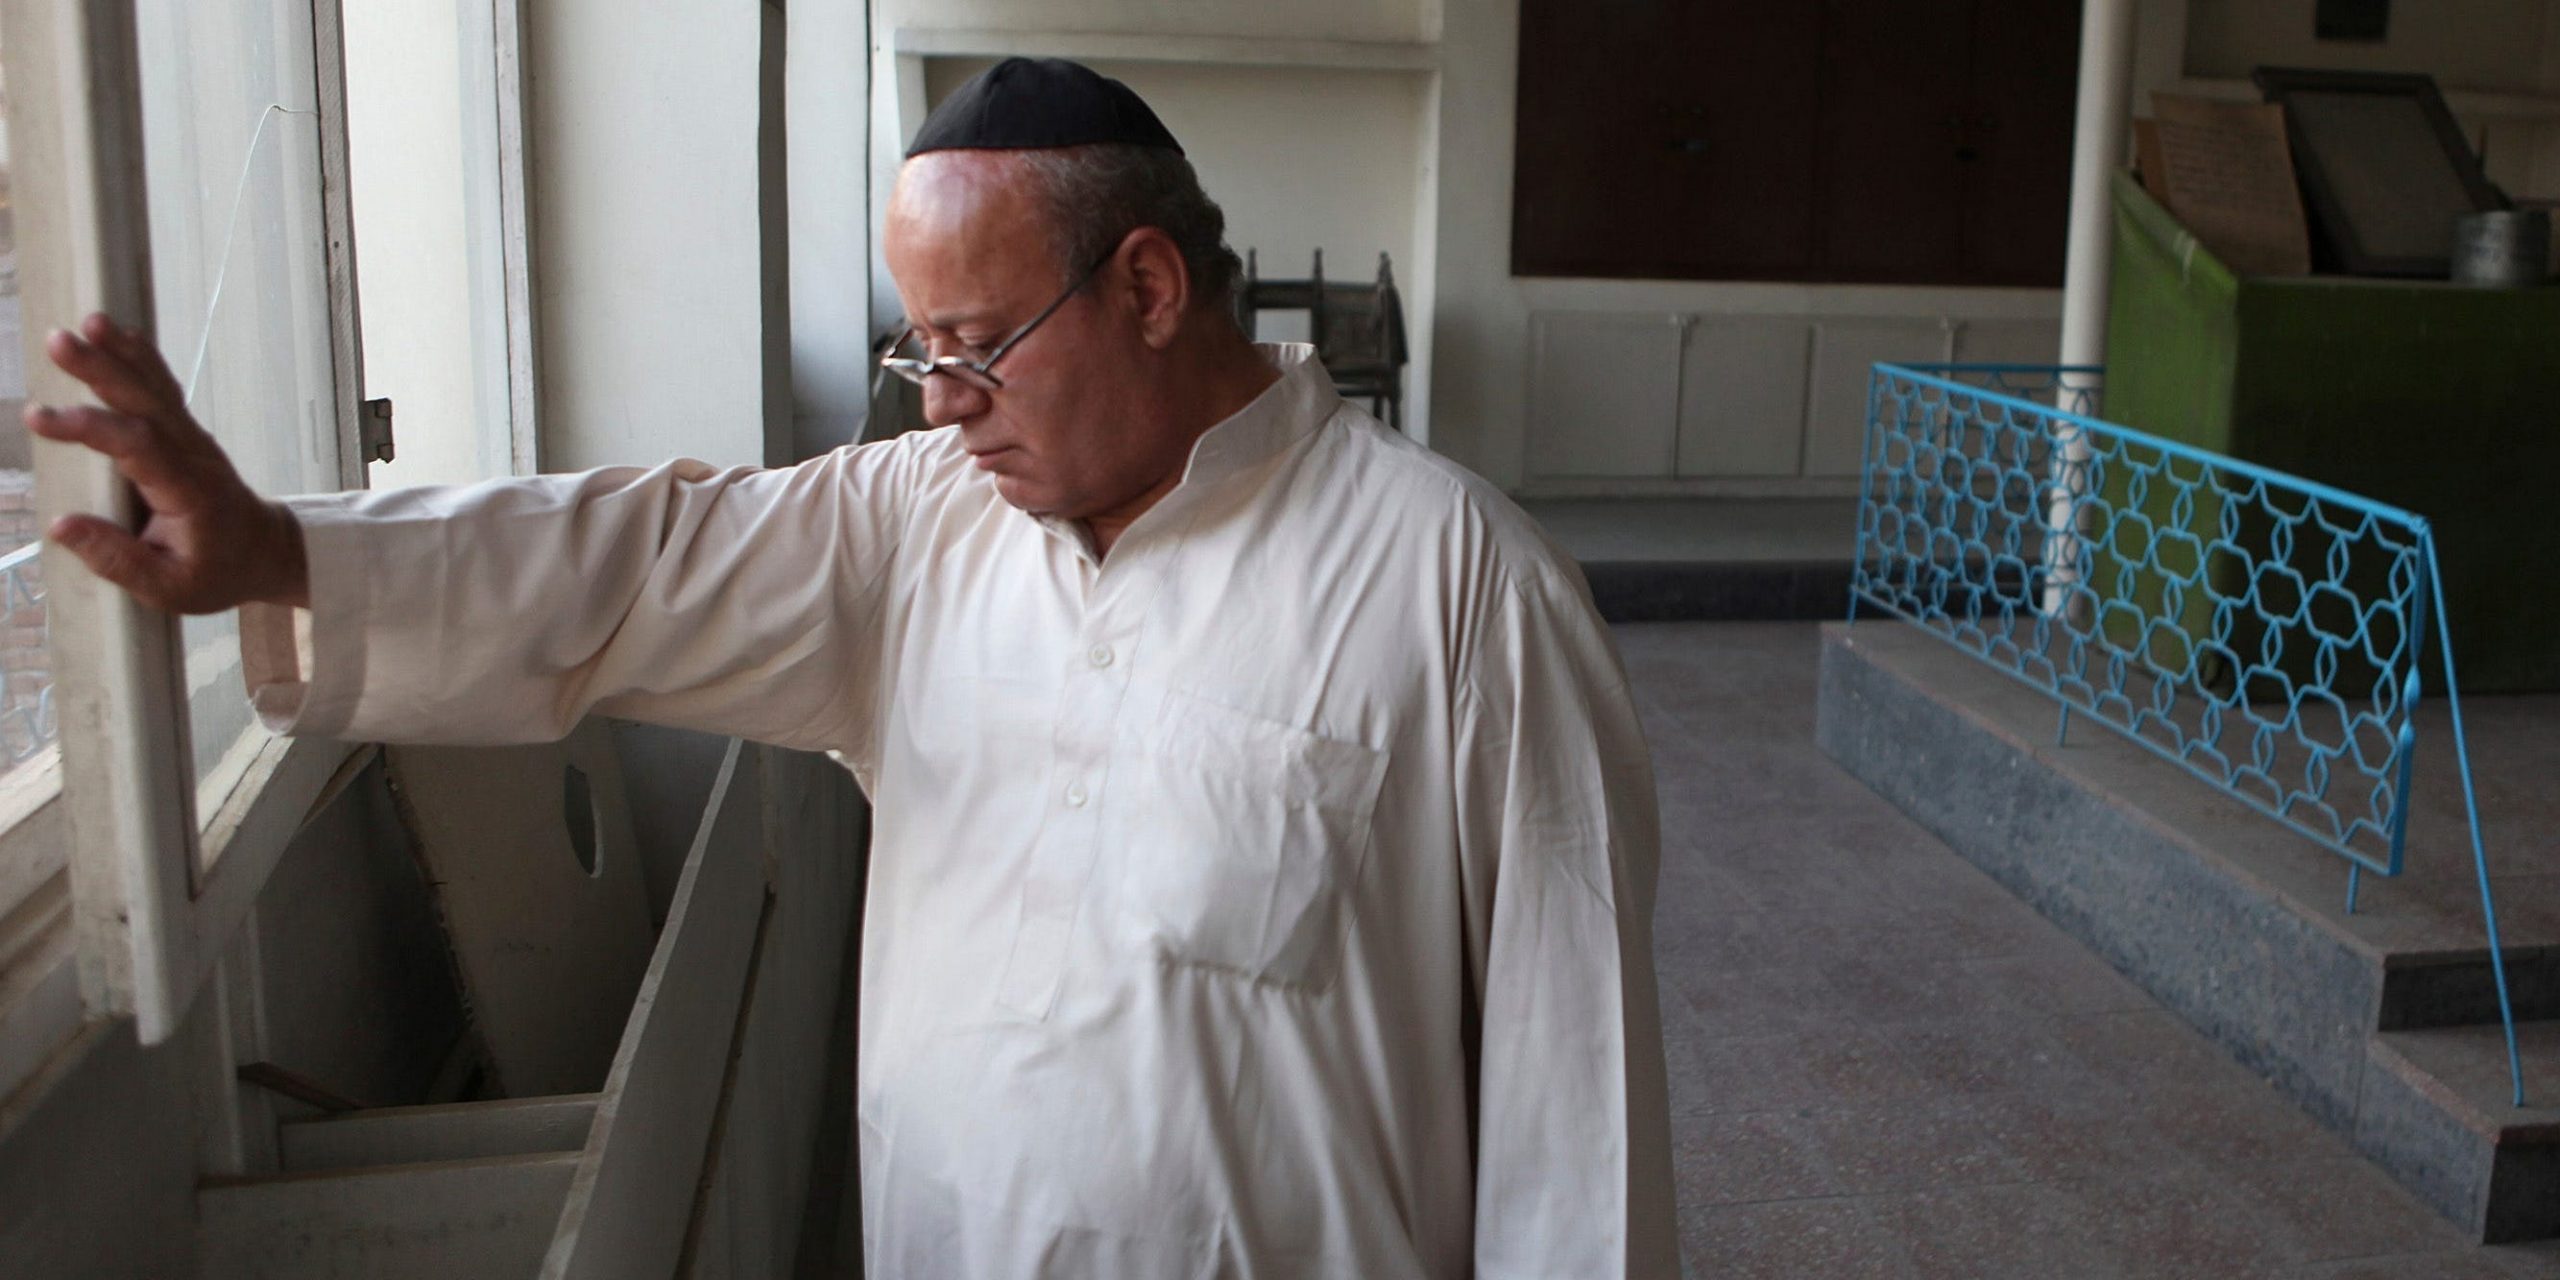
1671, 140
2016, 165
1844, 351
1742, 396
1893, 116
1604, 394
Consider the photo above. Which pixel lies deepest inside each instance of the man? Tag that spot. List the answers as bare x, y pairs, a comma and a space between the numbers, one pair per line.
1265, 841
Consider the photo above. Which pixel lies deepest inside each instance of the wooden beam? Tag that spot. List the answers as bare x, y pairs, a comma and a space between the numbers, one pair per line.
636, 1183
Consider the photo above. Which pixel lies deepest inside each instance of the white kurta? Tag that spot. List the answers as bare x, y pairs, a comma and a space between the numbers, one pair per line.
1271, 899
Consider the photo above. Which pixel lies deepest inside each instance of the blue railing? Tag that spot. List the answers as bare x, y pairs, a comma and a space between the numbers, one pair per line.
2263, 632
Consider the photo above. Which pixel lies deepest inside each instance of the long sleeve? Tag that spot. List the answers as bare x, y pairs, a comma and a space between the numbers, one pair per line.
1560, 843
738, 601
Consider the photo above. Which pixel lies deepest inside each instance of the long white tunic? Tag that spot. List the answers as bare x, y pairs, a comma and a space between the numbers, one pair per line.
1269, 899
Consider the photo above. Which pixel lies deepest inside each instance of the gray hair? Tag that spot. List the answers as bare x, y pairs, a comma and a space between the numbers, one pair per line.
1095, 195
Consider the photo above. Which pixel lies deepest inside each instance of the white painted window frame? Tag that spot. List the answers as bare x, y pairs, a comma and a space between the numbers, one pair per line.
506, 338
146, 928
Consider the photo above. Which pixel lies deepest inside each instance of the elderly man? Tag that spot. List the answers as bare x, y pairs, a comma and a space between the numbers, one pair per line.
1266, 843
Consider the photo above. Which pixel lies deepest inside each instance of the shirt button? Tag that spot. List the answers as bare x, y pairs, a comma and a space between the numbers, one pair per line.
1099, 655
1075, 795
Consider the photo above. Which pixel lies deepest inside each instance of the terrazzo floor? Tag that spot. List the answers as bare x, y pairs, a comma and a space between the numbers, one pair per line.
1883, 1065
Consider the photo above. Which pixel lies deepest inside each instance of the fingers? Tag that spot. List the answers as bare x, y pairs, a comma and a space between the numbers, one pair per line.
118, 384
117, 556
171, 480
140, 356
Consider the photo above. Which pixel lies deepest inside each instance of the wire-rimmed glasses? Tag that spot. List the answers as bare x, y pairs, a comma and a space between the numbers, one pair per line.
978, 373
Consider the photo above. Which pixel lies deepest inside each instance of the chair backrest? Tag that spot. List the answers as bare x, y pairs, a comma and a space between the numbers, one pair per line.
1353, 326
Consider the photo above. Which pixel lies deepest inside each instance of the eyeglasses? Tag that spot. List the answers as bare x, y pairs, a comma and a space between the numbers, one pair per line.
978, 373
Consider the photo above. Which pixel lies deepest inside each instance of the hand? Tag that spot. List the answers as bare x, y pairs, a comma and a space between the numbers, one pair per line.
210, 542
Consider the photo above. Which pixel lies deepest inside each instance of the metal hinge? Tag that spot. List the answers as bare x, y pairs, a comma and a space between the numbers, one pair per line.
373, 431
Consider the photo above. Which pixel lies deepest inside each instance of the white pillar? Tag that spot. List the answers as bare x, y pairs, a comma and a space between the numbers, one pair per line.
2097, 151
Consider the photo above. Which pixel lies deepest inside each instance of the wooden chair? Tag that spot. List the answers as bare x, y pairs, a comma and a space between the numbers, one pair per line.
1357, 329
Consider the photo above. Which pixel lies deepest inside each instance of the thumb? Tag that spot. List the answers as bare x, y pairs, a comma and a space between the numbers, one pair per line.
116, 555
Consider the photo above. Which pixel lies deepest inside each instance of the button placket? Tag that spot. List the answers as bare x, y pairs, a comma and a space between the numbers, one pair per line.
1062, 862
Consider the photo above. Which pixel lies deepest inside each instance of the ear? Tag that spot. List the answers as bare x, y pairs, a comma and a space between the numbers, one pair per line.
1158, 284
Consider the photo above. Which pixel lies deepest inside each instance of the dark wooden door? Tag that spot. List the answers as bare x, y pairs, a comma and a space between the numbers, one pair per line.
2017, 180
1884, 141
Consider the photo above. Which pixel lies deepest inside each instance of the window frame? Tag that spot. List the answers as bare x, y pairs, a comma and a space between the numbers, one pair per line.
141, 926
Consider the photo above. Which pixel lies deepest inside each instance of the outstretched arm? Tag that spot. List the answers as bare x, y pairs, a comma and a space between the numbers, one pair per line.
733, 600
208, 542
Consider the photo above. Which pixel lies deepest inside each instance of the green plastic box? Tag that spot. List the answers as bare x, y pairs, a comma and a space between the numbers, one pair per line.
2434, 397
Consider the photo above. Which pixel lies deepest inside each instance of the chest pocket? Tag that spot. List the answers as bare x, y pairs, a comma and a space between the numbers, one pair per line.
1242, 838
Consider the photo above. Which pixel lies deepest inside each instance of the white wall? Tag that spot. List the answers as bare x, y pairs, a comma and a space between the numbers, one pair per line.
652, 243
404, 124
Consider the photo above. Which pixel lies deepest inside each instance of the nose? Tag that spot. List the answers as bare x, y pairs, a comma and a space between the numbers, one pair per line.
948, 400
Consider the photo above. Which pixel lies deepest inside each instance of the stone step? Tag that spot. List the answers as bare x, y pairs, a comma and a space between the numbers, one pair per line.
451, 1131
428, 1221
2438, 1110
2233, 922
1717, 591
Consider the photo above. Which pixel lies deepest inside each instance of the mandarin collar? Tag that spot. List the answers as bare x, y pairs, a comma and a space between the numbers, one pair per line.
1287, 411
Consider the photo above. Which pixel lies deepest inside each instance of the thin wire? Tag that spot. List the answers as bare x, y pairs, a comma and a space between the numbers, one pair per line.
222, 269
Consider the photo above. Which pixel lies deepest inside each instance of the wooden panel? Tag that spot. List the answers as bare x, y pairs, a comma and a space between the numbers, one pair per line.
1884, 141
1604, 393
1742, 396
550, 954
634, 1193
772, 1116
2009, 342
2024, 90
1892, 121
412, 1222
453, 1131
1836, 428
1704, 111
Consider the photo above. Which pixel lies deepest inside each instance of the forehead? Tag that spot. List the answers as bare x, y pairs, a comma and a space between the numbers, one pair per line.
958, 218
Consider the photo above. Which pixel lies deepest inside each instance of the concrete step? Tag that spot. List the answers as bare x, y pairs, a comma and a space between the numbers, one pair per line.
2438, 1110
452, 1131
2234, 922
430, 1221
1717, 591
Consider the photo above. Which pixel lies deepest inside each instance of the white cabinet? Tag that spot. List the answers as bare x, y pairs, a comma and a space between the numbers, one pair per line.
1673, 401
1844, 355
1604, 394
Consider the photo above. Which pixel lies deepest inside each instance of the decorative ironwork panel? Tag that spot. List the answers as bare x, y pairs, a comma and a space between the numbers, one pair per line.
2261, 631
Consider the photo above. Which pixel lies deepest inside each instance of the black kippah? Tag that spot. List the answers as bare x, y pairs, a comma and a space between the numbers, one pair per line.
1024, 103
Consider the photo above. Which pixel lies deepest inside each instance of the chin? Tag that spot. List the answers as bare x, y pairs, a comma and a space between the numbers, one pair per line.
1026, 496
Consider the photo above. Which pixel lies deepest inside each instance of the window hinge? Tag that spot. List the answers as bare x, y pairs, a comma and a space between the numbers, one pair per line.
373, 428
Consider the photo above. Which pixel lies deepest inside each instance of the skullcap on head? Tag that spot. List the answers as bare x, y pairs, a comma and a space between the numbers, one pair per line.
1026, 103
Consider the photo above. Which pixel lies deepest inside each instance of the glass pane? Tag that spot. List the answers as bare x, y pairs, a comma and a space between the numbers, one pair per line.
26, 673
231, 153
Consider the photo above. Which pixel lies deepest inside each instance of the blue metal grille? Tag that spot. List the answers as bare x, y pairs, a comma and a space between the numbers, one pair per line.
2261, 631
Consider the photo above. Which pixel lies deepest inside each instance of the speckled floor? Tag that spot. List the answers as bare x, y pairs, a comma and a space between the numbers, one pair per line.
1882, 1065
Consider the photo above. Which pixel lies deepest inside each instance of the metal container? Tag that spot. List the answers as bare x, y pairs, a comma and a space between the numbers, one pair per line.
2504, 249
